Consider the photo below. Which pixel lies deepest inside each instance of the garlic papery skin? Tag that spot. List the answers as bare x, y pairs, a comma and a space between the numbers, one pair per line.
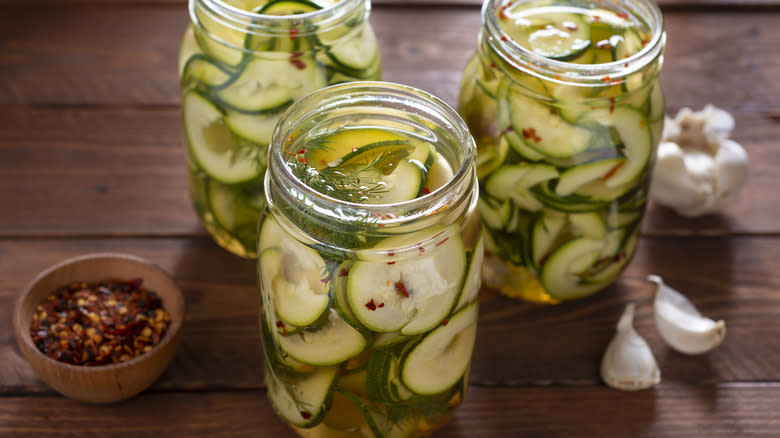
698, 169
680, 323
628, 362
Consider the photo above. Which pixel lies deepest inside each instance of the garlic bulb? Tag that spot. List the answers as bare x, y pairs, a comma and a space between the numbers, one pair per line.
628, 363
698, 169
680, 323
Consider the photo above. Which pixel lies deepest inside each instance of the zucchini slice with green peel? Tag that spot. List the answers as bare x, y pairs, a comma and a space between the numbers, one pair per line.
561, 274
257, 128
408, 283
200, 68
495, 215
356, 53
633, 129
269, 85
213, 146
590, 225
545, 131
329, 343
232, 211
514, 181
545, 232
473, 280
442, 357
293, 274
574, 203
554, 35
575, 177
302, 400
223, 43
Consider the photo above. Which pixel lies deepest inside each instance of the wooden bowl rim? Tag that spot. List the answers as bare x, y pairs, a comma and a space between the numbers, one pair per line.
23, 335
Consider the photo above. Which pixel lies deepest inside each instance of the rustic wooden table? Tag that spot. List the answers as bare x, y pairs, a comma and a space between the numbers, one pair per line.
92, 159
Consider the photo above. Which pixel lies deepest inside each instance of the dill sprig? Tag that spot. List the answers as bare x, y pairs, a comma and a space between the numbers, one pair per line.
352, 183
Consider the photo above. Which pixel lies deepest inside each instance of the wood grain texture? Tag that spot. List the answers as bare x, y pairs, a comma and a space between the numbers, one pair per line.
518, 344
92, 172
683, 411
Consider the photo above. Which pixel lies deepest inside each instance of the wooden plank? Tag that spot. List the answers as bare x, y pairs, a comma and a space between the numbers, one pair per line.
409, 3
58, 58
572, 412
121, 171
518, 344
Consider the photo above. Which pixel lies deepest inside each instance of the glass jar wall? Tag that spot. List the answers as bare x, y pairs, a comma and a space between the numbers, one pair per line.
564, 102
369, 262
241, 64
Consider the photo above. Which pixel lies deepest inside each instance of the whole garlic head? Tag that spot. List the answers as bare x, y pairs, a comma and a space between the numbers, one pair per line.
698, 169
628, 362
680, 323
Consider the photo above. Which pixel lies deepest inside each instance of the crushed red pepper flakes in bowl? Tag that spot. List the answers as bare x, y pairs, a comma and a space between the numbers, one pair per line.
107, 322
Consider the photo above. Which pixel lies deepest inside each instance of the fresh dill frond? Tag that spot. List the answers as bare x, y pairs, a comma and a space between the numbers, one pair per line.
351, 183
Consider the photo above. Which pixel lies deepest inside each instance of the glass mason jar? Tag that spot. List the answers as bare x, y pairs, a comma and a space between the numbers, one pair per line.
564, 102
241, 64
369, 262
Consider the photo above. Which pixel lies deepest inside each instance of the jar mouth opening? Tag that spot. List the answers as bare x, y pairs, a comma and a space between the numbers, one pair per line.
562, 72
253, 22
367, 95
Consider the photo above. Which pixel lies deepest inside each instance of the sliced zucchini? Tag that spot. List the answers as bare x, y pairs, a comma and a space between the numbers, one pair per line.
495, 214
440, 173
200, 68
330, 343
561, 274
491, 157
408, 283
231, 209
257, 128
213, 146
442, 357
292, 272
219, 41
545, 131
590, 225
577, 176
545, 232
473, 280
269, 85
554, 35
302, 400
384, 340
573, 203
513, 182
355, 53
633, 129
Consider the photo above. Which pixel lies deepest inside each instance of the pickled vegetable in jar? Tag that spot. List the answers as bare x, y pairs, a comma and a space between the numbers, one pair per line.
369, 257
564, 102
241, 63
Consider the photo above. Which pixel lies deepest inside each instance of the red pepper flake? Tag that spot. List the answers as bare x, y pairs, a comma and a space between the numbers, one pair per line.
605, 79
603, 44
444, 322
596, 18
305, 415
100, 323
530, 133
400, 287
426, 190
504, 38
502, 11
612, 171
442, 242
390, 253
626, 66
293, 34
645, 41
493, 65
422, 249
371, 305
390, 263
611, 105
380, 305
557, 77
297, 63
303, 160
280, 325
343, 272
354, 149
622, 15
302, 151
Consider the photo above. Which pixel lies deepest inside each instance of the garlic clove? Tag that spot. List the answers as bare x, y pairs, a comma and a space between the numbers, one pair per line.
628, 362
731, 162
680, 323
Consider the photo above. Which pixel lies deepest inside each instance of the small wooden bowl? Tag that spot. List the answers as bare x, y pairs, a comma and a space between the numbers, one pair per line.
104, 383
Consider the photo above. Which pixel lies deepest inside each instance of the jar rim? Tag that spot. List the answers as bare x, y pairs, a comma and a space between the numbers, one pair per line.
532, 63
380, 94
253, 22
